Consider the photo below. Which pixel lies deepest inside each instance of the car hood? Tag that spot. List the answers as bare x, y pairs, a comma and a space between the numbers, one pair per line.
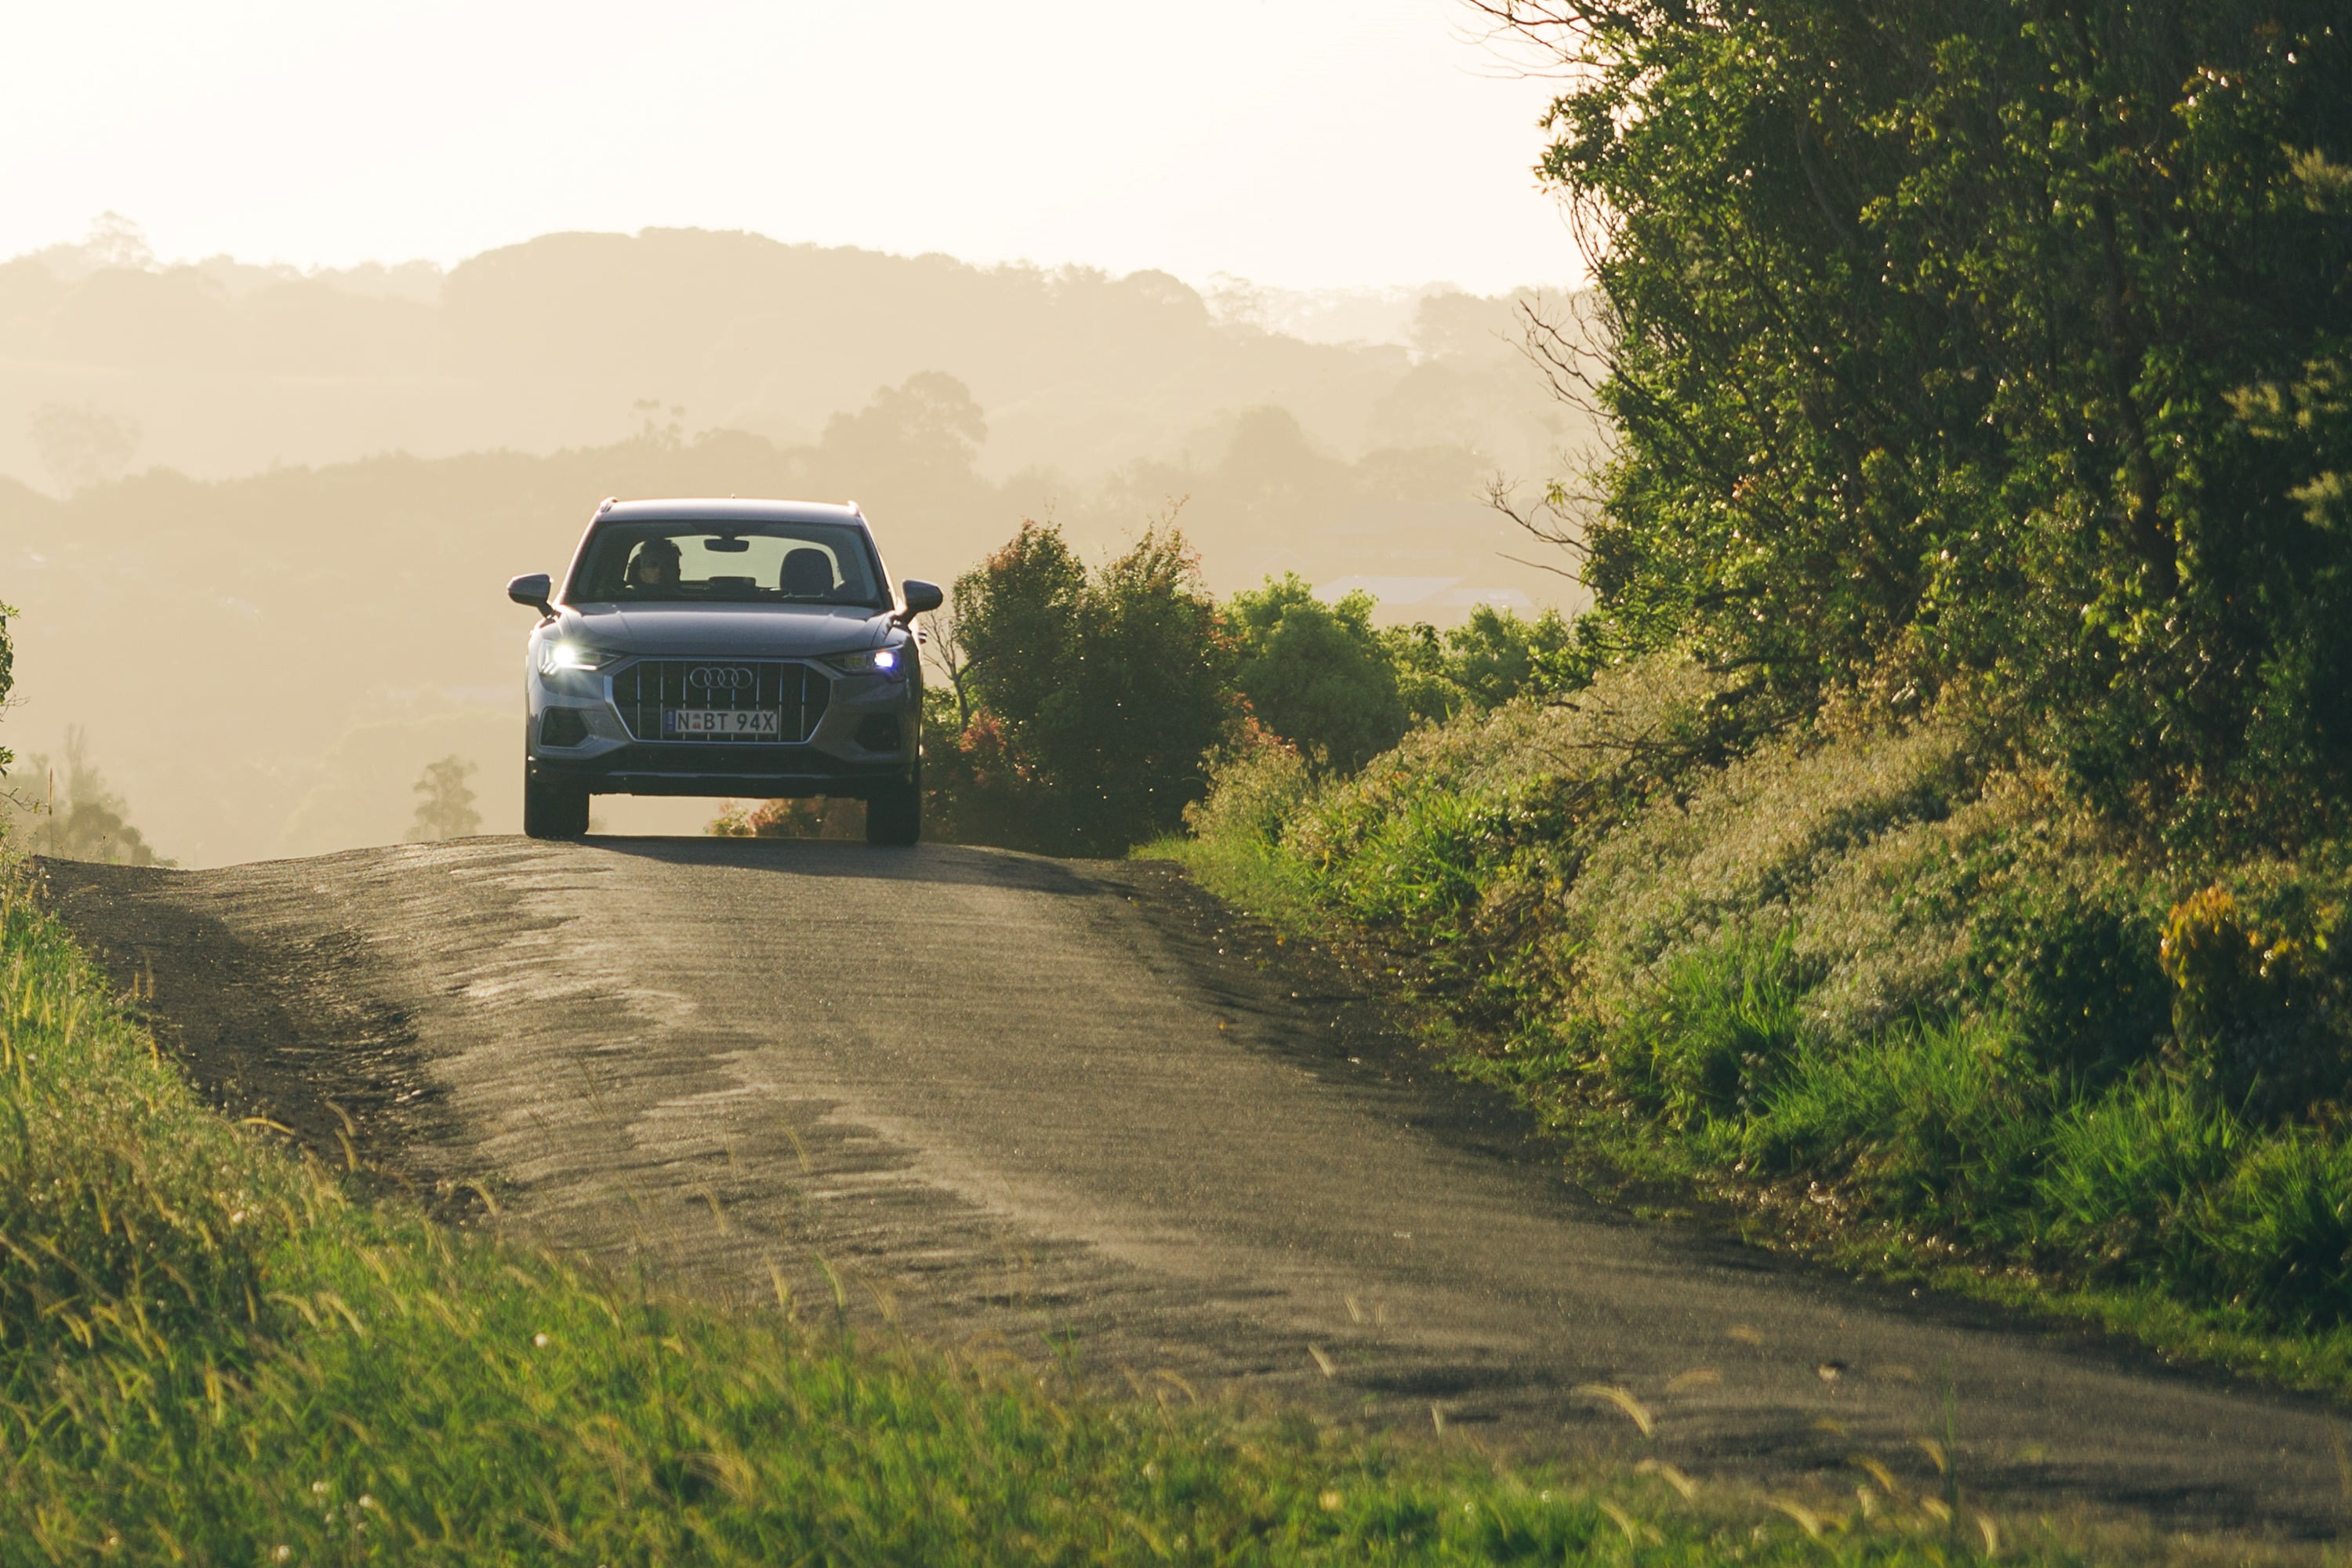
740, 631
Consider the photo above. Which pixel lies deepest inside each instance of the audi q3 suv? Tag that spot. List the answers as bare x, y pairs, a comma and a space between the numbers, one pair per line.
724, 648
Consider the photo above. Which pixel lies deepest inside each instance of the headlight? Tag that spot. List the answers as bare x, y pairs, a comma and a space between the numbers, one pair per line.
893, 658
555, 657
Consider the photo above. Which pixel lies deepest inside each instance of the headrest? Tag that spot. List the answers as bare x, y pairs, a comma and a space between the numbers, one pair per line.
807, 573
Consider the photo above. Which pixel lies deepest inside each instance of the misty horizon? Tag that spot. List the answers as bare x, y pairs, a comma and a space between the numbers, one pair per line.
217, 455
1335, 313
1338, 317
372, 309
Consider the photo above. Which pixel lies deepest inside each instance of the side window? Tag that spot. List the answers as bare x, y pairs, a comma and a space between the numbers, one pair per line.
608, 560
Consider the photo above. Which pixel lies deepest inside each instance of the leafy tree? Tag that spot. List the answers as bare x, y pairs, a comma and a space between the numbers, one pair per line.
2001, 342
1094, 698
1019, 616
1318, 675
1487, 660
445, 801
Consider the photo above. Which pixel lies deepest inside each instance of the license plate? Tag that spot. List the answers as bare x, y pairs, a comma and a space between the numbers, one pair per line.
699, 721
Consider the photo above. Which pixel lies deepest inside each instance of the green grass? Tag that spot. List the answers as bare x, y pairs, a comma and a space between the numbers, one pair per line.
1871, 995
214, 1349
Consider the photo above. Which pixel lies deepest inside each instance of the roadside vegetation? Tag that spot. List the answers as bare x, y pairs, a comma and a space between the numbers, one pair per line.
1906, 1002
214, 1348
1077, 711
1936, 838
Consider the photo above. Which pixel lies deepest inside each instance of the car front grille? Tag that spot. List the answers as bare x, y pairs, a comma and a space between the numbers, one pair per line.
646, 690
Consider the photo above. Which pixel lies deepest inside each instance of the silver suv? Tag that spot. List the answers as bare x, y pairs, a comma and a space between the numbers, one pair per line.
724, 648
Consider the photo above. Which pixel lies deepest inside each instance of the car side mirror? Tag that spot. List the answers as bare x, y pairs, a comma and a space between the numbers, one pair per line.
922, 599
532, 590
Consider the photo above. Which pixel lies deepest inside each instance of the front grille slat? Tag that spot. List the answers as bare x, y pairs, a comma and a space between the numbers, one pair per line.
644, 688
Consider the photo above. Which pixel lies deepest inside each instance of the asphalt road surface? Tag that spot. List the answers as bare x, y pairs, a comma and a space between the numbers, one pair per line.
999, 1097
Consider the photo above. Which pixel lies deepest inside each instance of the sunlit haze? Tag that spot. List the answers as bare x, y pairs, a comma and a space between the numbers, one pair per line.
319, 322
1303, 143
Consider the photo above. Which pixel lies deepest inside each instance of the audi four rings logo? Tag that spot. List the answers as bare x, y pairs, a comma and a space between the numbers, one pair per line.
718, 677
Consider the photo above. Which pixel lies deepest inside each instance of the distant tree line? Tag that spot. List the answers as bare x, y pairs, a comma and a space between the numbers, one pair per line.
72, 816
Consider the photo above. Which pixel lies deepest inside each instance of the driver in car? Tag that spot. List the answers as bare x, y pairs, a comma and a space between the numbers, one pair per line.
654, 567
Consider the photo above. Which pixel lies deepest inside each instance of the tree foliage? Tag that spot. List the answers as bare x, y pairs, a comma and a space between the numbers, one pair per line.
1489, 659
1317, 674
1080, 712
1997, 342
1089, 701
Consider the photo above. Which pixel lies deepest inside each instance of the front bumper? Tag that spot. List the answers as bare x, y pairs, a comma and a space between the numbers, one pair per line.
866, 739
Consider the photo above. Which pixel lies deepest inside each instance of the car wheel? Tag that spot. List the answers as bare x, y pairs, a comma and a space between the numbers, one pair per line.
895, 817
554, 810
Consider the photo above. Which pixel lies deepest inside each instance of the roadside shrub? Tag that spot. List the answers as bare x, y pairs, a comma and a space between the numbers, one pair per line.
2259, 998
2062, 936
1317, 674
1932, 1123
1252, 791
2124, 1173
1724, 1019
1087, 703
819, 816
1491, 659
2280, 1231
1422, 861
86, 820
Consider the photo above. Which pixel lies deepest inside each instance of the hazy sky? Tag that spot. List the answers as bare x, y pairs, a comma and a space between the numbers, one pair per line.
1298, 142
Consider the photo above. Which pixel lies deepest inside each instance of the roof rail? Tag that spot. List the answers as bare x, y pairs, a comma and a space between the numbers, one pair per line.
853, 508
605, 505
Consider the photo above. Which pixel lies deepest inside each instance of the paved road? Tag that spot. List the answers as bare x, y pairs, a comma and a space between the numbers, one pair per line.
999, 1097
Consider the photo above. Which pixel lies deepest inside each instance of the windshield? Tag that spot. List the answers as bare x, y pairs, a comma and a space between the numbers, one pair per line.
679, 562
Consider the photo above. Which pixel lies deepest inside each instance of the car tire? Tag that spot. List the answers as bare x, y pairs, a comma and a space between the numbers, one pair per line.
895, 817
554, 810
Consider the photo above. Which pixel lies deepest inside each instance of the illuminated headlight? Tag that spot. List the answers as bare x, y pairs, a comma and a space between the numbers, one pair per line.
555, 657
893, 658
